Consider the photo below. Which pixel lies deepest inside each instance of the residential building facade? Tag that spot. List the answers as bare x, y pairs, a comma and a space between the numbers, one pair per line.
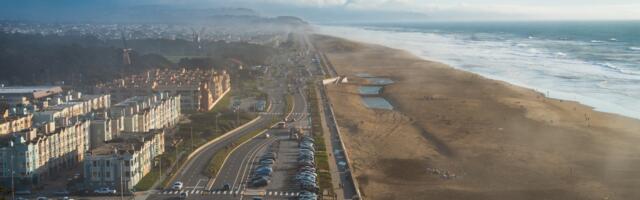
199, 88
36, 153
144, 113
123, 162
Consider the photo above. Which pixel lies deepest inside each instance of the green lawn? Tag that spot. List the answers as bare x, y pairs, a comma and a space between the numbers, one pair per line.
148, 180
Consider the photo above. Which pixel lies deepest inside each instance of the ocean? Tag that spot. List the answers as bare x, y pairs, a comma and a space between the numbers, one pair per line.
594, 63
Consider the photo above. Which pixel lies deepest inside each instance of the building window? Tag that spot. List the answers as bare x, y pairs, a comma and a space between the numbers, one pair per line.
108, 174
95, 163
108, 163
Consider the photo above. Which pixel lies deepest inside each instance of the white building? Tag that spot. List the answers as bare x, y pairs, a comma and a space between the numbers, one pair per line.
125, 160
144, 113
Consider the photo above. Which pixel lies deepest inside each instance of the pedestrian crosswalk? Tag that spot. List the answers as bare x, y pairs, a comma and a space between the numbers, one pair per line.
232, 192
278, 114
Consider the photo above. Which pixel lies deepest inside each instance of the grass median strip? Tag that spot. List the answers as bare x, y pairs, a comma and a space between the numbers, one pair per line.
217, 161
204, 129
218, 158
321, 157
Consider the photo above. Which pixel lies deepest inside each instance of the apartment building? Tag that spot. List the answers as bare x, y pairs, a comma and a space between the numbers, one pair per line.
123, 161
199, 89
11, 124
144, 113
72, 105
38, 152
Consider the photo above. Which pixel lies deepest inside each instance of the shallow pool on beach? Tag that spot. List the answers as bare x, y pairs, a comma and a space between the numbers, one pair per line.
377, 102
379, 81
369, 90
364, 75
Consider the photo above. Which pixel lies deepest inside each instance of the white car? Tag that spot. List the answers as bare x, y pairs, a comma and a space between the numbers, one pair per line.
105, 191
177, 185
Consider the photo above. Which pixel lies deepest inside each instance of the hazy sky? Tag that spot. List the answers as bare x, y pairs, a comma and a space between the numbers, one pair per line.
490, 9
336, 10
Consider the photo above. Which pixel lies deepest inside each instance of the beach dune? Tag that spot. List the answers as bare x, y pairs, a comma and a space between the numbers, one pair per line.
457, 135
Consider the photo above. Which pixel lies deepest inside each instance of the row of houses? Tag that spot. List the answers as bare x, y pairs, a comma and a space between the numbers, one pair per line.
199, 89
87, 129
46, 131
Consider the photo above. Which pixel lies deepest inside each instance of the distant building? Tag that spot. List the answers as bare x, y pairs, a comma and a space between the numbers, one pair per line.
125, 160
27, 94
144, 113
199, 89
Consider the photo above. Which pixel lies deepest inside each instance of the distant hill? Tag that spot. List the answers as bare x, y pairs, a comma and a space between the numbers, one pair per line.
85, 60
36, 59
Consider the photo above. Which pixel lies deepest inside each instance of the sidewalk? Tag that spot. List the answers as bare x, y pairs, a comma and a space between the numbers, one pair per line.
326, 134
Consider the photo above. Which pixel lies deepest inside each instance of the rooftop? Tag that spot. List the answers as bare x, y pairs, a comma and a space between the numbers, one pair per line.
27, 89
129, 142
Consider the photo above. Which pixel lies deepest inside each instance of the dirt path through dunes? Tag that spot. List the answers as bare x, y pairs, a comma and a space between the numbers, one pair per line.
457, 135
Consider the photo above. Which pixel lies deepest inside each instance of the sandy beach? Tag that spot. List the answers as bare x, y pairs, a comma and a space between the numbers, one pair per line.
457, 135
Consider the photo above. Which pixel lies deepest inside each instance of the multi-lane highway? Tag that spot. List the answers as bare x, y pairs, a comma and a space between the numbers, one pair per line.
193, 173
238, 168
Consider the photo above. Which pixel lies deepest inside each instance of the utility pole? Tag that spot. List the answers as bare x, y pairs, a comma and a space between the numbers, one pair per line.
217, 115
160, 158
238, 116
13, 187
121, 178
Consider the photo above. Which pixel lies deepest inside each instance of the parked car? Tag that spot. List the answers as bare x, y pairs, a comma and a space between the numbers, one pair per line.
105, 190
226, 187
270, 155
263, 173
267, 162
177, 185
61, 193
23, 192
308, 174
307, 169
264, 168
42, 198
263, 181
306, 162
258, 177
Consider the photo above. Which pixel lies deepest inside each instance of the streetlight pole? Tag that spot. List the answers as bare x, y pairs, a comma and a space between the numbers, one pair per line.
121, 178
217, 115
238, 116
160, 158
13, 187
191, 137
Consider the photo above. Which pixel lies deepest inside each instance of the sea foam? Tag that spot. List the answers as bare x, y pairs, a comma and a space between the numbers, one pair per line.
605, 86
